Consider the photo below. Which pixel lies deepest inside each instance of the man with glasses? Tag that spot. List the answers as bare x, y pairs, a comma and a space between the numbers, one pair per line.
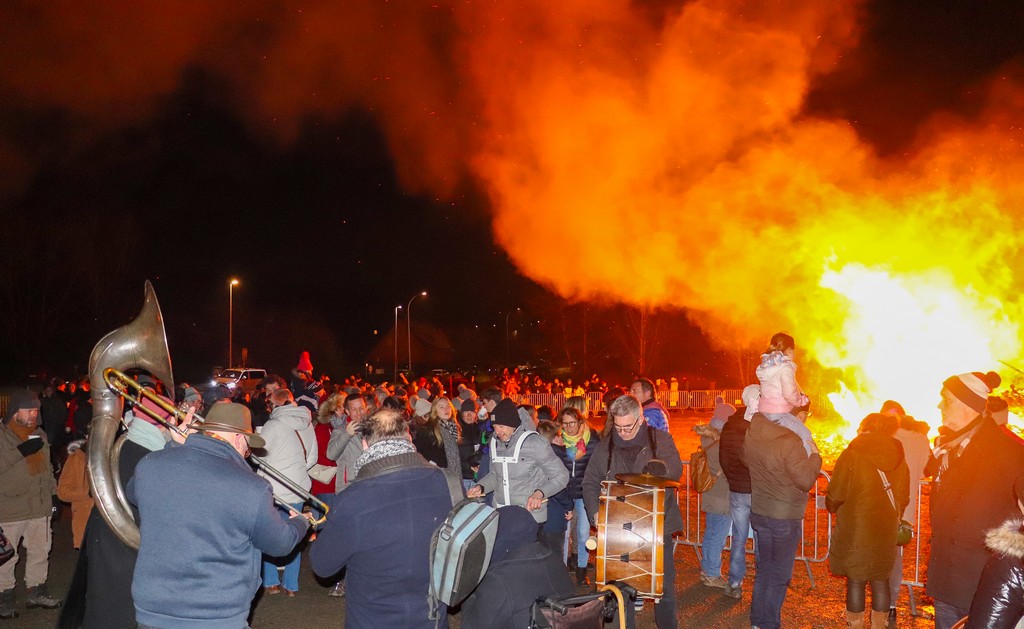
633, 448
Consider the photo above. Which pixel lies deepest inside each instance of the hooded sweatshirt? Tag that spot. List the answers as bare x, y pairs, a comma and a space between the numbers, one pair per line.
291, 448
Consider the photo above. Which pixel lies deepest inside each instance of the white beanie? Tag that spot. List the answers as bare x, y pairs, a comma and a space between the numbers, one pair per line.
751, 397
421, 407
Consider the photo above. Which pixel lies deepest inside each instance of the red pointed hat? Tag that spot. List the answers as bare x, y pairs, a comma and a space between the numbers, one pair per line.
304, 363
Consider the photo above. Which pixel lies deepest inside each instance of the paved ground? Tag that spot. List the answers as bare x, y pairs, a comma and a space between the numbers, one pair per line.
816, 607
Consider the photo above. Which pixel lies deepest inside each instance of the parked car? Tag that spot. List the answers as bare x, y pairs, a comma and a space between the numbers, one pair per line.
243, 378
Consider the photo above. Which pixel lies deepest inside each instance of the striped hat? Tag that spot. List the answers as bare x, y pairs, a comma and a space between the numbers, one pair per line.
973, 388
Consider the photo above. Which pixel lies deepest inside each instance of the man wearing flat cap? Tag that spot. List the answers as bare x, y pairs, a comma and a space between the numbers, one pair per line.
29, 487
979, 477
205, 520
524, 469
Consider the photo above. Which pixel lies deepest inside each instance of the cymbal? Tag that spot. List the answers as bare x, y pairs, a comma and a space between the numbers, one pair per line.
646, 479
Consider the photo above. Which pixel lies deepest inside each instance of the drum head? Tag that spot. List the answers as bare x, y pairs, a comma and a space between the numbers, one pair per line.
647, 480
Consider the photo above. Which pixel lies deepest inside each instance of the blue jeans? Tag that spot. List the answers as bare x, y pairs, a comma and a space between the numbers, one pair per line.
718, 527
946, 615
290, 563
777, 543
582, 533
739, 509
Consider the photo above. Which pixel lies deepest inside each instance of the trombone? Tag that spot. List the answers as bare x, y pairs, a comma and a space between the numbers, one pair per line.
126, 387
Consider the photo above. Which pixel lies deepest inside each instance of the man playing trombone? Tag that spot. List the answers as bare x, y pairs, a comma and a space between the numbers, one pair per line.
205, 521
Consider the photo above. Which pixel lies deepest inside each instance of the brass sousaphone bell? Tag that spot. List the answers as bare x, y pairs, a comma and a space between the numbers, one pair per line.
141, 344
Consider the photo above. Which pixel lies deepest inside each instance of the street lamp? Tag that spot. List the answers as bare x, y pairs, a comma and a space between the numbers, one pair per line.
231, 320
408, 321
506, 333
397, 308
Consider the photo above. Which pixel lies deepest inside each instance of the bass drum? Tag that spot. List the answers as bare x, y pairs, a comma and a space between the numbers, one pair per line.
630, 531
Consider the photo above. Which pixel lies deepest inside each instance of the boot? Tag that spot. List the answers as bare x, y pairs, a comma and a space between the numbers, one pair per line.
38, 597
879, 620
855, 620
7, 610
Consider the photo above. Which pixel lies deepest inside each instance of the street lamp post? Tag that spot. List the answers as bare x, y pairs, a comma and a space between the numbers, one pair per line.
397, 308
231, 320
408, 322
506, 334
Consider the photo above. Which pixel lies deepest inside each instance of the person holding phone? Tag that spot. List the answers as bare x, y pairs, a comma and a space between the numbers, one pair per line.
25, 514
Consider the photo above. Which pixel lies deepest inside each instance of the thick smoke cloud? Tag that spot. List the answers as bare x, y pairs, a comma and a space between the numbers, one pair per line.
652, 154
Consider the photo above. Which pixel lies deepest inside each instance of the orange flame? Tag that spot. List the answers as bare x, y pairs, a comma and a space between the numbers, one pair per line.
674, 167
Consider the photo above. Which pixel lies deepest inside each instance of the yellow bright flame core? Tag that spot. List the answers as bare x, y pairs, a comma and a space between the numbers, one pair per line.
903, 334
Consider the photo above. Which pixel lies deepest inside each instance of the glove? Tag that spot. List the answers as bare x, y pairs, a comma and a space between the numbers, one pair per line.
30, 446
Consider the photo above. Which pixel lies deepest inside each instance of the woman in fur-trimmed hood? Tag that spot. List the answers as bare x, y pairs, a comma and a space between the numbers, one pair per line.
999, 600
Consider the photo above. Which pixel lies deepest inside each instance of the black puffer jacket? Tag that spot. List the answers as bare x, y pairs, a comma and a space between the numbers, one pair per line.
999, 601
577, 467
730, 452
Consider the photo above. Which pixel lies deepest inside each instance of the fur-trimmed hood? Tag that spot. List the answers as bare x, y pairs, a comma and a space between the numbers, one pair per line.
1008, 539
708, 431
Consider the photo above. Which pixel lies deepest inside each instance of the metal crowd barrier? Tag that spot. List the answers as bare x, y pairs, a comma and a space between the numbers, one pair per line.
816, 537
672, 400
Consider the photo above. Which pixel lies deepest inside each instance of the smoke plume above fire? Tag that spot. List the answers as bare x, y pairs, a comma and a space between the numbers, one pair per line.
656, 157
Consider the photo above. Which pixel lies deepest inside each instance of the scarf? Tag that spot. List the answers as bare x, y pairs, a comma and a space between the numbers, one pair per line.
146, 435
576, 446
453, 430
953, 446
35, 460
382, 450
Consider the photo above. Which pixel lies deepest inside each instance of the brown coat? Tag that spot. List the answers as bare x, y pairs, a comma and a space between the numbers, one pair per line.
73, 487
864, 538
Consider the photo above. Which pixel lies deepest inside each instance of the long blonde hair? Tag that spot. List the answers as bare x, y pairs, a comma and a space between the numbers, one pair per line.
434, 419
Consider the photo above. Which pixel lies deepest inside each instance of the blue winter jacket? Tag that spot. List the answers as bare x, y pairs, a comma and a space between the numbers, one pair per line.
205, 520
380, 528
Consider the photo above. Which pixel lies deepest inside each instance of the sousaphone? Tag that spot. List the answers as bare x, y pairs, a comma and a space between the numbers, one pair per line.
141, 344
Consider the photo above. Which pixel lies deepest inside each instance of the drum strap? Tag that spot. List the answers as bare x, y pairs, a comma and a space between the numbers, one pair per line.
505, 460
650, 438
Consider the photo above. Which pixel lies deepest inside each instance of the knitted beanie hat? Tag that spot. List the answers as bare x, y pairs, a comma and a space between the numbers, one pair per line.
972, 388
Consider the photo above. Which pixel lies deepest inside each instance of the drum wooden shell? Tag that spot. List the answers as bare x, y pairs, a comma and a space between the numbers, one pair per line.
630, 531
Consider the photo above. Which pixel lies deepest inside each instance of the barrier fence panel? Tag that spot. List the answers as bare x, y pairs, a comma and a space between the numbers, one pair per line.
816, 537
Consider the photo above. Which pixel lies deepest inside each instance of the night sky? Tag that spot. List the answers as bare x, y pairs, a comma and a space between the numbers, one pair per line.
123, 158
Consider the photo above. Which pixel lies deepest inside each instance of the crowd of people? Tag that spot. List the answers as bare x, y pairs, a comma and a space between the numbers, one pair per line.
387, 463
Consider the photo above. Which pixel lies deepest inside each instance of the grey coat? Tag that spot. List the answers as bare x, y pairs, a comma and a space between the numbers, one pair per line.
344, 449
538, 467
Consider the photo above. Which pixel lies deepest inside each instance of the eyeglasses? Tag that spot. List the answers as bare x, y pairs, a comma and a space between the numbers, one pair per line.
570, 423
625, 430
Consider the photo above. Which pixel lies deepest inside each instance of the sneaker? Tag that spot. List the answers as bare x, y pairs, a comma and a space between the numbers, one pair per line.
38, 597
734, 591
338, 590
891, 624
713, 582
